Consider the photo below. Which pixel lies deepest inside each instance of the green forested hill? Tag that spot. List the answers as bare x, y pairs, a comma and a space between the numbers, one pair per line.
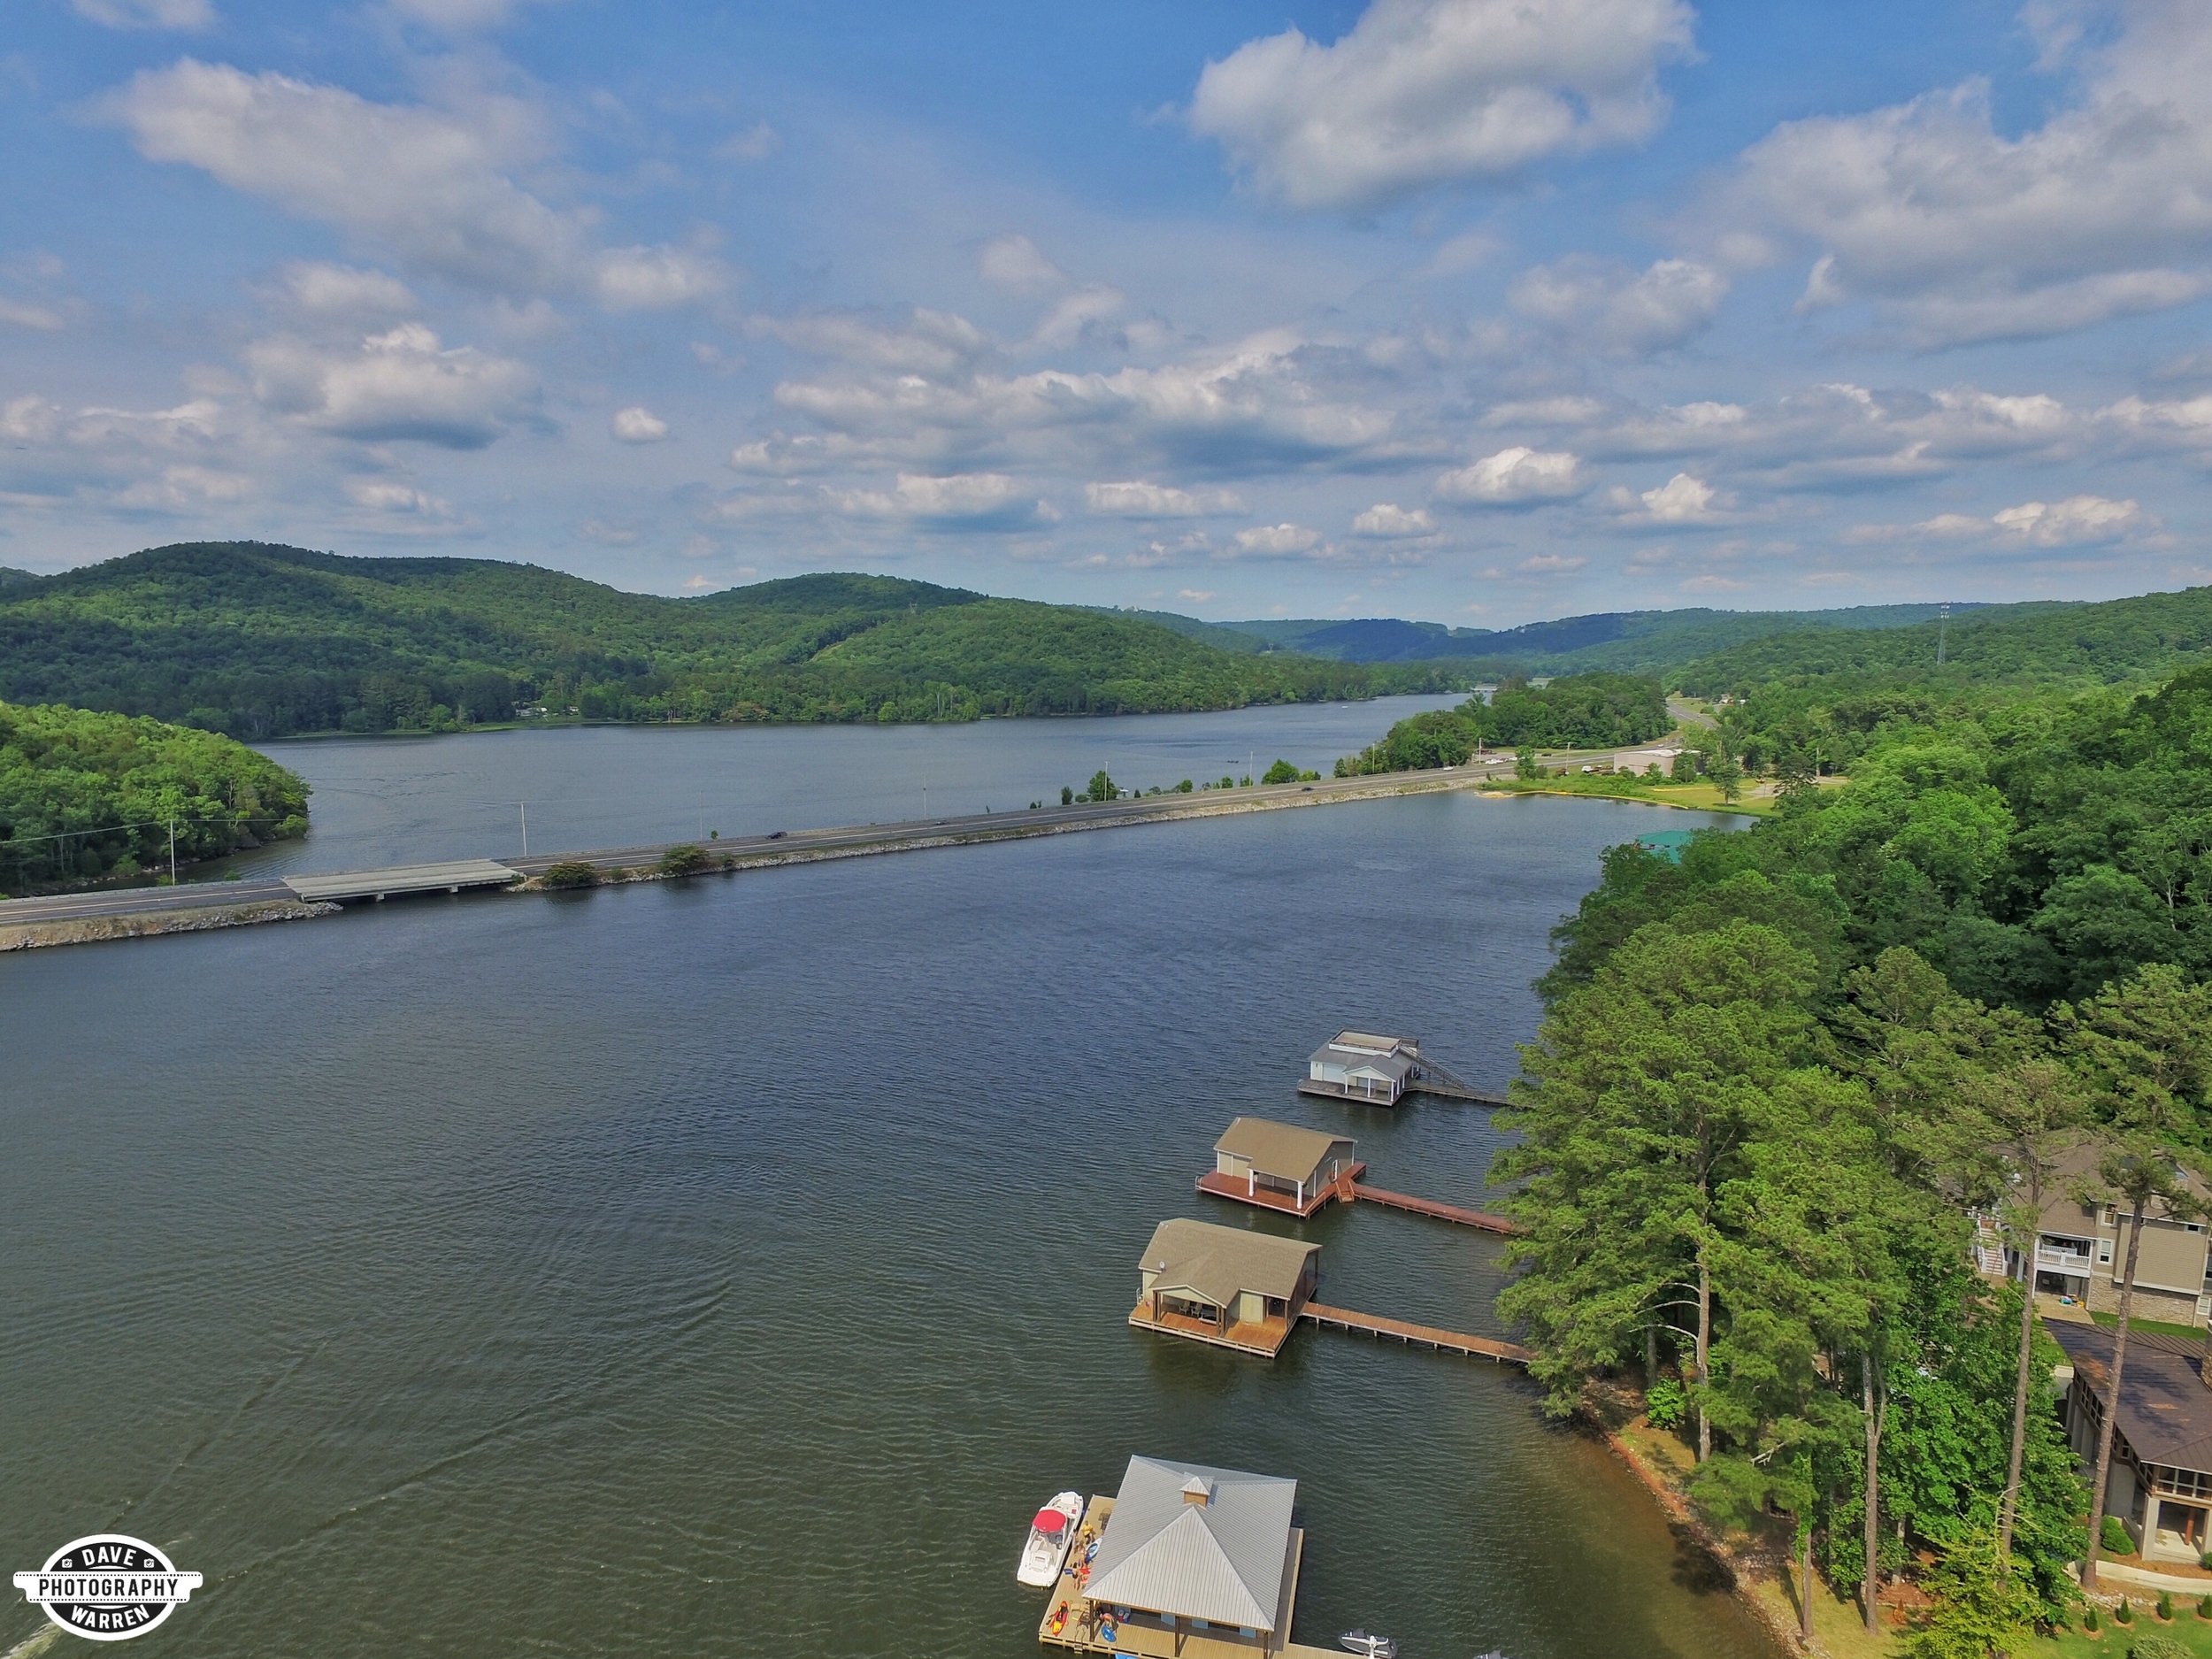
261, 641
85, 794
2020, 645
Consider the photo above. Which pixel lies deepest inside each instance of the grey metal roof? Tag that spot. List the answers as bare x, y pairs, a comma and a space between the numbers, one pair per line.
2165, 1405
1216, 1263
1222, 1560
1283, 1150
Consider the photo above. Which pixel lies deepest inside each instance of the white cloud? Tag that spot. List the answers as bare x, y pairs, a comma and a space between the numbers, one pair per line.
1253, 406
1551, 564
399, 385
29, 316
1960, 233
1614, 309
1421, 92
146, 14
1276, 540
1076, 312
456, 17
341, 291
1514, 478
1012, 263
382, 497
1195, 596
1133, 498
434, 186
2078, 521
1681, 500
29, 420
1387, 522
756, 143
919, 342
975, 501
186, 487
637, 425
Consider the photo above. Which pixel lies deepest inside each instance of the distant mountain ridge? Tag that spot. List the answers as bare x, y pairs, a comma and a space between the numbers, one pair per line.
1616, 641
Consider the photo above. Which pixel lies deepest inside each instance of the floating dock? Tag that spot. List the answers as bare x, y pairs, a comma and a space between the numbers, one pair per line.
1416, 1335
1214, 1184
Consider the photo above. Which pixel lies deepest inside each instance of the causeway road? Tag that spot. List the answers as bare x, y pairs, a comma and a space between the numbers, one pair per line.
797, 846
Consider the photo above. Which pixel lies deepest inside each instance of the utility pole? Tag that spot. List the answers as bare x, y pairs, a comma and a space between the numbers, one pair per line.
173, 852
525, 805
1943, 630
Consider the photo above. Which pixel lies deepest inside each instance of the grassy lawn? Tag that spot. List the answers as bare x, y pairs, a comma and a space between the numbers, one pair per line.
2191, 1632
2109, 1320
1625, 787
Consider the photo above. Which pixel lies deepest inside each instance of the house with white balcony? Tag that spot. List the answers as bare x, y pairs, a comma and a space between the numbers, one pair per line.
2081, 1251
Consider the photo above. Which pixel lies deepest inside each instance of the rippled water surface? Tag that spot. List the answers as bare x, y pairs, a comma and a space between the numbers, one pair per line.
731, 1267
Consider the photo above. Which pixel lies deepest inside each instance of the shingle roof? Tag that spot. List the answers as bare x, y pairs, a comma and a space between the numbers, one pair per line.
1222, 1560
1216, 1263
2165, 1408
1274, 1149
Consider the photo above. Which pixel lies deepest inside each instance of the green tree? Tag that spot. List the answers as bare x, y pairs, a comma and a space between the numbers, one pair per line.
1979, 1611
1282, 772
1526, 766
1102, 788
1645, 1087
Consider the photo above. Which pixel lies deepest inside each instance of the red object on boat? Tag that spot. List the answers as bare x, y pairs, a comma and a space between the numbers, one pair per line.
1049, 1521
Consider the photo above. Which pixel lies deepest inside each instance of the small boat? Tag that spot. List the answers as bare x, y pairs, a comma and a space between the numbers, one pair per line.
1049, 1535
1059, 1621
1359, 1641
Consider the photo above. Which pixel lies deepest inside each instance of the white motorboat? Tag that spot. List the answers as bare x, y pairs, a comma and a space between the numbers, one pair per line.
1050, 1536
1360, 1643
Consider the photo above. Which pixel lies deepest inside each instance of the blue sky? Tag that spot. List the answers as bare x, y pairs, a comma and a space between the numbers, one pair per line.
1474, 309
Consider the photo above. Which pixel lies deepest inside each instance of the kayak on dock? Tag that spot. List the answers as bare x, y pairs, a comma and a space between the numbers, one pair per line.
1049, 1535
1360, 1643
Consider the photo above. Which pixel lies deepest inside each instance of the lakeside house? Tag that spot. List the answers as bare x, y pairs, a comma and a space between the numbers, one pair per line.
1225, 1285
2081, 1251
1281, 1166
2161, 1486
1363, 1065
1194, 1562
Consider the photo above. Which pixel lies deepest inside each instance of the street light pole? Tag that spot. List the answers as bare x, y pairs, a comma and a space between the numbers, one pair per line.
525, 805
173, 852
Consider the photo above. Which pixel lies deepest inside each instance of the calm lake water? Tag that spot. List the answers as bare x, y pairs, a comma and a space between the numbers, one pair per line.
387, 800
731, 1267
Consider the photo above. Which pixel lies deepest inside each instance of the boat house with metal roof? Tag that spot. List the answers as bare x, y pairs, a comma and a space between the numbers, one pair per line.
1194, 1562
1362, 1065
1281, 1166
1226, 1285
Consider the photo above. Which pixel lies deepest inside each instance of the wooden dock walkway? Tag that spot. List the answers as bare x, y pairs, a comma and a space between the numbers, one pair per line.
1429, 1207
1423, 1335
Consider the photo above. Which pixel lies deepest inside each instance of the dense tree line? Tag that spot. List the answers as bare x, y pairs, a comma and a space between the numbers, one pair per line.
84, 795
1576, 711
262, 642
1773, 1079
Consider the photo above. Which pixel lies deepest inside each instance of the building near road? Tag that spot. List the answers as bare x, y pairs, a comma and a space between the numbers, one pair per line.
2081, 1251
1279, 1166
1225, 1285
2161, 1446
